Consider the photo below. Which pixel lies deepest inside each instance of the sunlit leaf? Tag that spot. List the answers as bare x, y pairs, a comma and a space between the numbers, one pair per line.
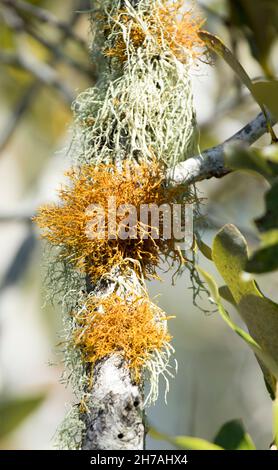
185, 442
259, 313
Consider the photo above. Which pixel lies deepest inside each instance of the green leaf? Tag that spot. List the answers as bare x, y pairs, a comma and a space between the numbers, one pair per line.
213, 42
240, 157
259, 313
14, 410
226, 294
258, 21
275, 420
232, 436
264, 260
204, 249
266, 92
226, 317
185, 442
269, 220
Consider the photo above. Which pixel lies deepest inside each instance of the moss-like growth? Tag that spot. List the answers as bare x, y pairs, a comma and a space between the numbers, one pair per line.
165, 23
73, 224
137, 329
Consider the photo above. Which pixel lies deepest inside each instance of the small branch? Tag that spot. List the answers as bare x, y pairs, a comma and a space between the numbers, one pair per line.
207, 165
43, 72
29, 94
45, 16
211, 162
21, 106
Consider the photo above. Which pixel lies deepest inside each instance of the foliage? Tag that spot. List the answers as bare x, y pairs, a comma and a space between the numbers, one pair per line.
14, 410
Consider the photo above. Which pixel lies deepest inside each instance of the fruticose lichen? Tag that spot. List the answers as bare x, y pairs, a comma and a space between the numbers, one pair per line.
137, 122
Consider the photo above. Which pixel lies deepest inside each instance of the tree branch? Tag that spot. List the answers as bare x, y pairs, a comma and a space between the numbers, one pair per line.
211, 162
45, 16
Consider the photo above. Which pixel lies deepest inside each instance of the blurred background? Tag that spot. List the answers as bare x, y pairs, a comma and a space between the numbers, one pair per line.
44, 64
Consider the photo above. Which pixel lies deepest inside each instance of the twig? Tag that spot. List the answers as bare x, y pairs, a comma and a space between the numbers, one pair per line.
45, 16
58, 53
207, 165
211, 162
17, 113
34, 88
42, 71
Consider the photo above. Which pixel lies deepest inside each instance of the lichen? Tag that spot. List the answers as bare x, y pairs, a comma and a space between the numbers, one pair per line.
137, 329
73, 223
137, 122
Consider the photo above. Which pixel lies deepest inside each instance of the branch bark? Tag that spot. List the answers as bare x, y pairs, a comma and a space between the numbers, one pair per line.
115, 417
211, 162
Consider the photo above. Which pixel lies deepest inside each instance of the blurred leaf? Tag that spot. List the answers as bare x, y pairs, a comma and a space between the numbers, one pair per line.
275, 420
240, 157
258, 21
204, 249
226, 317
259, 313
232, 436
185, 442
267, 92
226, 294
215, 43
269, 220
20, 261
15, 410
264, 260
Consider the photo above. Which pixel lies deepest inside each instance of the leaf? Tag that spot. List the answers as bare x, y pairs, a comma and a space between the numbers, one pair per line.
275, 420
204, 249
270, 219
258, 21
259, 313
15, 410
213, 42
239, 157
226, 294
266, 92
232, 436
185, 442
226, 317
264, 260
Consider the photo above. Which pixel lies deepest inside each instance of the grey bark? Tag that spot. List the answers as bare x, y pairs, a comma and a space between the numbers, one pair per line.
211, 162
115, 420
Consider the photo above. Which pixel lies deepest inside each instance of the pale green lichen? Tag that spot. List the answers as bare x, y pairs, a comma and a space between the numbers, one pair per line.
141, 108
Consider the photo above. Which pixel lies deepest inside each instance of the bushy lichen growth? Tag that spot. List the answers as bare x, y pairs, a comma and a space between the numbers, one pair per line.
135, 123
142, 105
136, 328
94, 246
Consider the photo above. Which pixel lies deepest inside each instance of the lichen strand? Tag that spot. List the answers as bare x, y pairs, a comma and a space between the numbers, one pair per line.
166, 24
143, 103
82, 223
136, 329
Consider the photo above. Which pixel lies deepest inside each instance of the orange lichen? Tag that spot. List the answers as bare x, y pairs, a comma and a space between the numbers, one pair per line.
113, 325
73, 224
166, 23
